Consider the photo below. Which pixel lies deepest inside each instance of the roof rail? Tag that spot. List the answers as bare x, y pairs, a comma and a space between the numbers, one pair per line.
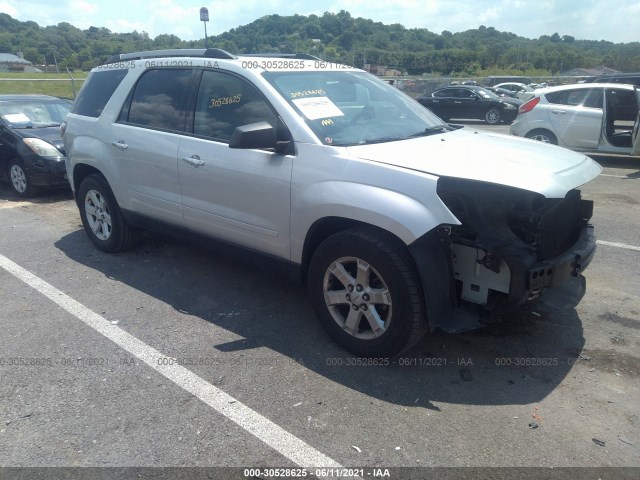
176, 52
298, 56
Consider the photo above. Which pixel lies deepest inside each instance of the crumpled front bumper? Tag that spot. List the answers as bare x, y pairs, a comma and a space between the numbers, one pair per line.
561, 276
553, 272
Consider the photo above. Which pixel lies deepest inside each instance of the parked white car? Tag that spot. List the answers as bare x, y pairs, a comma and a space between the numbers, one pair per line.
594, 117
522, 91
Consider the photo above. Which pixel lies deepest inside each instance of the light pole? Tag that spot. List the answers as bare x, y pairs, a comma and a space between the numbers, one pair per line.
204, 18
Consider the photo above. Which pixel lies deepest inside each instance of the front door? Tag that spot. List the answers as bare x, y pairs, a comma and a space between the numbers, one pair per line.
242, 196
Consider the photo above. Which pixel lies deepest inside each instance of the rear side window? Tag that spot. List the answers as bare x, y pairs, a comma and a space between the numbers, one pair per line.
96, 92
444, 93
159, 100
576, 98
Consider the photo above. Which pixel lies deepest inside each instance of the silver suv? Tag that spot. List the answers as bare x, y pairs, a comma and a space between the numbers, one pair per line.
396, 222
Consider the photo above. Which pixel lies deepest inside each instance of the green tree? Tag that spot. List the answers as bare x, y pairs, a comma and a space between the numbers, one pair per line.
32, 55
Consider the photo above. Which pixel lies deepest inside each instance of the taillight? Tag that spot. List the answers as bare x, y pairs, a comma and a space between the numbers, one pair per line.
529, 105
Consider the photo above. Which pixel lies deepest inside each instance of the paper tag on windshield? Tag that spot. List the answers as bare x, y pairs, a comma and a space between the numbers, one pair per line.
317, 107
16, 118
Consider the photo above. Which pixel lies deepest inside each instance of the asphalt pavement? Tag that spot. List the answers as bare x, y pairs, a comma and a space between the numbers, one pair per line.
171, 356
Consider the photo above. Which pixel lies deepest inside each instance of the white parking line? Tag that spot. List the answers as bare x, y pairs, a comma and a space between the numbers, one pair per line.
614, 176
618, 245
264, 429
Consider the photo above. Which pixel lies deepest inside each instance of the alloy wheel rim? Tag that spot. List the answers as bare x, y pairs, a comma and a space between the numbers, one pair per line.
541, 138
18, 178
357, 298
98, 215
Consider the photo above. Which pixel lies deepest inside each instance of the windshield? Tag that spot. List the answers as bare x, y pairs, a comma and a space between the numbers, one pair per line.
34, 113
484, 93
354, 108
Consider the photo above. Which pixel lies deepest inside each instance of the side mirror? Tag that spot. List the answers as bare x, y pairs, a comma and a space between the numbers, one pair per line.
260, 135
254, 135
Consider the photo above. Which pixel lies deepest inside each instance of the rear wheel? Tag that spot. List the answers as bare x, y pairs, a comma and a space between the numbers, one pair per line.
544, 136
101, 216
365, 291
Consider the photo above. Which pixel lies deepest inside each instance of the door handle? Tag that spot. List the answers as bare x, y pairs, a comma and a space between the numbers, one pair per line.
120, 144
193, 160
558, 112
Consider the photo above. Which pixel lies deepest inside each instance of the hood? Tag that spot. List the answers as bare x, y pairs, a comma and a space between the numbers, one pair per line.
521, 163
48, 134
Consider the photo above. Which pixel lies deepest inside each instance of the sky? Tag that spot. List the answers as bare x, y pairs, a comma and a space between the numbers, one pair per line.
616, 21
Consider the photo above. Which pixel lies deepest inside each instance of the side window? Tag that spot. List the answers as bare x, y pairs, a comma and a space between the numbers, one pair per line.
159, 100
225, 102
568, 97
463, 93
594, 98
96, 92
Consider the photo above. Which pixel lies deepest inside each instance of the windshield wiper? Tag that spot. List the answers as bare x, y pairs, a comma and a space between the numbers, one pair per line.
431, 131
424, 133
369, 141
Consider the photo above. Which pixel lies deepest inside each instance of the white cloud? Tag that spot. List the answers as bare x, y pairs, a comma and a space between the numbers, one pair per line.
82, 7
8, 8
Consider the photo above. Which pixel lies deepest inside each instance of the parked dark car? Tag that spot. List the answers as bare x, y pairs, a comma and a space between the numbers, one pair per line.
628, 78
468, 101
31, 150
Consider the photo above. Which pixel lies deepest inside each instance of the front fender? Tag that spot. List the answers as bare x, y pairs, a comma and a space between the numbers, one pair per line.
406, 217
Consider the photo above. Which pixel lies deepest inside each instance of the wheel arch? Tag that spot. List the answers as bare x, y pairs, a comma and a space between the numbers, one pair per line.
329, 207
324, 228
80, 172
5, 163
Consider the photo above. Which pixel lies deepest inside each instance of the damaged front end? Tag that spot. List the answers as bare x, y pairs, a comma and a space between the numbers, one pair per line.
514, 249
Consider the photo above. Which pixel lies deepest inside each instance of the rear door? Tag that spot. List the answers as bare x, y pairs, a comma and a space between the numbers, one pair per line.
442, 103
469, 104
145, 142
577, 116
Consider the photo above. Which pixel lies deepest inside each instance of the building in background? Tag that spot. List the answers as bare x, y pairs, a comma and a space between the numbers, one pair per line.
15, 63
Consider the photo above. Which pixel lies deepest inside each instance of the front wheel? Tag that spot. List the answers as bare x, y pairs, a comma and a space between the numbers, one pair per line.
493, 116
101, 216
19, 178
365, 291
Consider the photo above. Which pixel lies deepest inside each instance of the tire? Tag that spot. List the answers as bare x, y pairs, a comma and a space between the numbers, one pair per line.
101, 216
365, 291
493, 116
19, 179
542, 135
